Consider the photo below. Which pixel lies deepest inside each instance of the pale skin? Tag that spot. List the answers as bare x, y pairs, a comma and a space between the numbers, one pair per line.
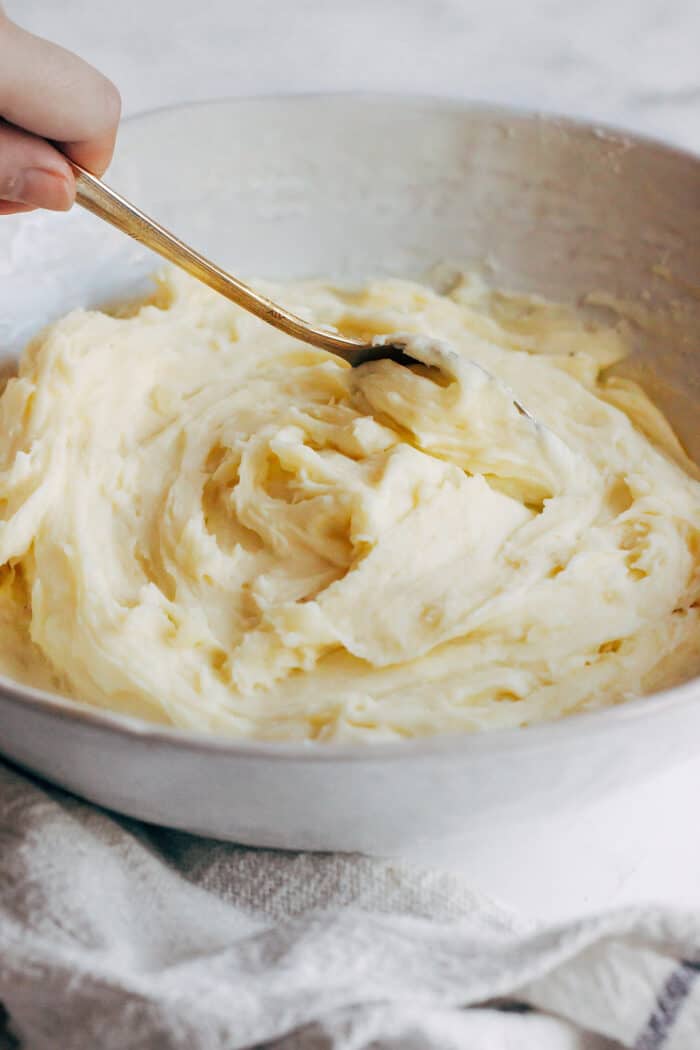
47, 93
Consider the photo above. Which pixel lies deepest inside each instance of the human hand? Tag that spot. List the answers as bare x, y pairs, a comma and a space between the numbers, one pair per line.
48, 93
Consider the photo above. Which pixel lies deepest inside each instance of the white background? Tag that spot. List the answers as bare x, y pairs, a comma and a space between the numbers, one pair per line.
629, 62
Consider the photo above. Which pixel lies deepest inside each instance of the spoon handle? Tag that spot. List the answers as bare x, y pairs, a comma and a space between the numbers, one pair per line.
104, 202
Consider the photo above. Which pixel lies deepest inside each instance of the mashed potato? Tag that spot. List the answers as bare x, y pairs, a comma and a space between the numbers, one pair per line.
205, 523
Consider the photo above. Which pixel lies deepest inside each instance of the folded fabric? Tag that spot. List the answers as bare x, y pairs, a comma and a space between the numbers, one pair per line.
114, 934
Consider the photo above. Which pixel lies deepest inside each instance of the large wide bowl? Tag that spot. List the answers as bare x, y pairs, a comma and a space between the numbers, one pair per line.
355, 187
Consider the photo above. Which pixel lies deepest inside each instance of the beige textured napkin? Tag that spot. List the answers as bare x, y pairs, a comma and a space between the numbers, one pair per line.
115, 934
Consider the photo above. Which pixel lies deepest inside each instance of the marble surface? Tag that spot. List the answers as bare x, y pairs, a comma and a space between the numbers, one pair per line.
631, 63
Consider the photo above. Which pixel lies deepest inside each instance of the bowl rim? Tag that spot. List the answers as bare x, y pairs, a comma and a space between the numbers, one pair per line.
601, 130
533, 737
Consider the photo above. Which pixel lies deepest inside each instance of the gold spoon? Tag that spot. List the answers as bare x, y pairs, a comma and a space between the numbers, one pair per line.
104, 202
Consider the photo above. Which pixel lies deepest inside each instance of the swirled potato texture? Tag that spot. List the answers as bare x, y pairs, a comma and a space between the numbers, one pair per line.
208, 524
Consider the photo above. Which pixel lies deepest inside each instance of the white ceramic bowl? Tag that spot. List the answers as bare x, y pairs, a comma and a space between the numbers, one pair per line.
354, 187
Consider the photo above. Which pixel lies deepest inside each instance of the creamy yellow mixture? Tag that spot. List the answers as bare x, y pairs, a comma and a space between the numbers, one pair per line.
206, 523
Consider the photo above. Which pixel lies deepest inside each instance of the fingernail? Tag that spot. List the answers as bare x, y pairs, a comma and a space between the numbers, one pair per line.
43, 189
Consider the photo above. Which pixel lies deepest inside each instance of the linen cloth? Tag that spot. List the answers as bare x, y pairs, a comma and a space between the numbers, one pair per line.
115, 934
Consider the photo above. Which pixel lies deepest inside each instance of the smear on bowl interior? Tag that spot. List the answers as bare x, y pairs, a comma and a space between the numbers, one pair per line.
205, 523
